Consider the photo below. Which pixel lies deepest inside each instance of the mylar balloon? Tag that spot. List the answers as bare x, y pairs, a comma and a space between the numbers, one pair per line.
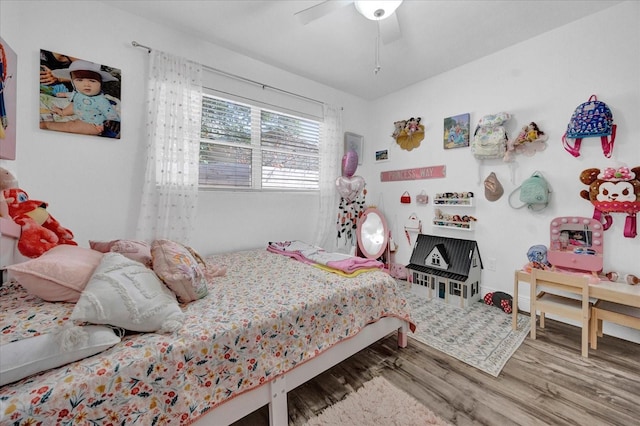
350, 187
349, 163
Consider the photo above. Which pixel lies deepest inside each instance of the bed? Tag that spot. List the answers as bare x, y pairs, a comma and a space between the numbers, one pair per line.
267, 325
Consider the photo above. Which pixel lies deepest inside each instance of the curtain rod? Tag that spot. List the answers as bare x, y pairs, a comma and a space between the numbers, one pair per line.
238, 77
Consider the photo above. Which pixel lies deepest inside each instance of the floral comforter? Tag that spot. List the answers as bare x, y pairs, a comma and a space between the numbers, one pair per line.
267, 315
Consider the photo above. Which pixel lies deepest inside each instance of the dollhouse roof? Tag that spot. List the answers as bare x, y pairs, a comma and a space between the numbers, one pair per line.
456, 254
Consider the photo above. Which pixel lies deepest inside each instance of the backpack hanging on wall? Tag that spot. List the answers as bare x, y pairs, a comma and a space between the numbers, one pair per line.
590, 119
613, 191
533, 193
490, 137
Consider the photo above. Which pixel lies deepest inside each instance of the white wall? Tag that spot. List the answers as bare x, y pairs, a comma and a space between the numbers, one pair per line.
541, 80
93, 184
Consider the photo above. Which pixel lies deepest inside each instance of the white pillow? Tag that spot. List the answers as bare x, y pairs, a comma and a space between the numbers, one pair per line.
39, 353
125, 293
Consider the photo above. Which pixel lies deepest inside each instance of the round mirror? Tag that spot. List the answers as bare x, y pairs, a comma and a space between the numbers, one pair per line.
372, 233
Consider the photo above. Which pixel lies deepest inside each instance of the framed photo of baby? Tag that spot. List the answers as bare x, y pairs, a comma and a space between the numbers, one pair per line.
79, 96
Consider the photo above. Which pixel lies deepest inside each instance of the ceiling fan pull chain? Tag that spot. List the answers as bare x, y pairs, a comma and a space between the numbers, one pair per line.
377, 68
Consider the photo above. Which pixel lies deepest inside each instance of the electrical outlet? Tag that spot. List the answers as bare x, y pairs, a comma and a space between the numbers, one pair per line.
491, 264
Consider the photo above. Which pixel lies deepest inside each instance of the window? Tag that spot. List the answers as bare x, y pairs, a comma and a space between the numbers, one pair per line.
248, 147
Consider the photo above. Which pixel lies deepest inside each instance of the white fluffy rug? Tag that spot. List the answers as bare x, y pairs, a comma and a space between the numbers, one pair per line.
377, 403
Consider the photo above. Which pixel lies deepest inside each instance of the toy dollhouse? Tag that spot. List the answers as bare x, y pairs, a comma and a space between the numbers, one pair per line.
450, 268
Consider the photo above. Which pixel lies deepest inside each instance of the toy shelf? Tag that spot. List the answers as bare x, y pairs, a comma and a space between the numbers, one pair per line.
461, 226
458, 202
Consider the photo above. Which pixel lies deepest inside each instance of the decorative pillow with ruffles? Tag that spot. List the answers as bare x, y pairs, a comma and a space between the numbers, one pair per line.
180, 270
124, 293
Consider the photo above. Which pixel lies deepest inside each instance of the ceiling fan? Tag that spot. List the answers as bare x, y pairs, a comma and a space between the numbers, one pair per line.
380, 11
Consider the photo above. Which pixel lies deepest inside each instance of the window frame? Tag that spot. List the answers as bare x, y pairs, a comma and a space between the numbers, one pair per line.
256, 148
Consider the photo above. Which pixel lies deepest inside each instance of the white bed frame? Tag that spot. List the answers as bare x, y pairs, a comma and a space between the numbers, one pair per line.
274, 393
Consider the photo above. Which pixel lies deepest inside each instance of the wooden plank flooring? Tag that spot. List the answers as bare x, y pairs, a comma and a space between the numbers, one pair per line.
546, 382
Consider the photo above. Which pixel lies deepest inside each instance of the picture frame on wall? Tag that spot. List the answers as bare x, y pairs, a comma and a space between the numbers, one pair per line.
79, 96
354, 142
382, 155
8, 96
456, 131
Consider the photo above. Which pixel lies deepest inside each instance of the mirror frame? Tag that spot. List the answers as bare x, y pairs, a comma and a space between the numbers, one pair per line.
385, 230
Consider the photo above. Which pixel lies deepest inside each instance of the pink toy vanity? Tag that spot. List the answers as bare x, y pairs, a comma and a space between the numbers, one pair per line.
576, 243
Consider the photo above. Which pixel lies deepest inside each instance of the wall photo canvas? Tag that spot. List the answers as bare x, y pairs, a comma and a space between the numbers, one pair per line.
8, 85
456, 131
79, 96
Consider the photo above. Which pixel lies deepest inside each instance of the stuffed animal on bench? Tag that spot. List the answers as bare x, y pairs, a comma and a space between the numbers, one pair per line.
40, 230
500, 299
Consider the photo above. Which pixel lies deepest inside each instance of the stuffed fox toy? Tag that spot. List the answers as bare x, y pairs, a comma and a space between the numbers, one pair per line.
40, 231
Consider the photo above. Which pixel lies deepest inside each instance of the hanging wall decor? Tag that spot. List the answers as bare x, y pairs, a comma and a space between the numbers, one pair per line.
431, 172
456, 131
8, 73
529, 141
79, 96
382, 155
408, 133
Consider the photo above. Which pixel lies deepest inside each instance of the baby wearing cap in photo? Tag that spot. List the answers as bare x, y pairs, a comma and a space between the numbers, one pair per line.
87, 102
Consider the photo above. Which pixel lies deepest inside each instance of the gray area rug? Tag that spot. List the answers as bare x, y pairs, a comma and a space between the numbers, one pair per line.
377, 403
480, 335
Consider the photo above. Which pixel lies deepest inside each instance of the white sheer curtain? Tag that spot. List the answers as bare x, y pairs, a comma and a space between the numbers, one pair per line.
174, 110
331, 151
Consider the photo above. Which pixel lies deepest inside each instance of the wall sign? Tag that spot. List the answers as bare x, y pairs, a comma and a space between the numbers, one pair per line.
431, 172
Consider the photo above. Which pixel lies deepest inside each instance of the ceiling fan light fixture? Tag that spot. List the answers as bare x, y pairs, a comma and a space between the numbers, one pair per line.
377, 10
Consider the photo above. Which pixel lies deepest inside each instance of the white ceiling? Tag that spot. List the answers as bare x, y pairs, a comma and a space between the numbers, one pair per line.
339, 49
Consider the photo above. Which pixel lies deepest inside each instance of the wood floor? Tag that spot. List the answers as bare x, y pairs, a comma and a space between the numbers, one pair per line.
546, 382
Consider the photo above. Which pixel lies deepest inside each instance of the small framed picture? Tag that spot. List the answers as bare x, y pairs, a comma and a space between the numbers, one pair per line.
353, 142
456, 131
382, 155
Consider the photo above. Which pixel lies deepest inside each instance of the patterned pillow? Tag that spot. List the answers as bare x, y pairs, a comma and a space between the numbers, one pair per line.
59, 275
139, 251
124, 293
179, 269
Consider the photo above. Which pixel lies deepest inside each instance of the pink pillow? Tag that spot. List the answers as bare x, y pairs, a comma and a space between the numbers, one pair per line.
179, 270
59, 275
139, 251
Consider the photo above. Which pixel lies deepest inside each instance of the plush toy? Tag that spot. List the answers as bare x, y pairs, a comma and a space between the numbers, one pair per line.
40, 231
613, 191
7, 180
500, 299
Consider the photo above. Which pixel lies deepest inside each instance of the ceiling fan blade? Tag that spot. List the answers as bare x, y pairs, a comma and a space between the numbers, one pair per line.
390, 29
318, 11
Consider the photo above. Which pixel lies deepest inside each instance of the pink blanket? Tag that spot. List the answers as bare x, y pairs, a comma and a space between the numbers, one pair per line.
310, 254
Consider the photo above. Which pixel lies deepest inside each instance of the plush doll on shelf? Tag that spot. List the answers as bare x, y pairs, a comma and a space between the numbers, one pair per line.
40, 231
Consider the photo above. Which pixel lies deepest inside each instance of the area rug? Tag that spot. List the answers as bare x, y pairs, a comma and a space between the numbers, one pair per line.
480, 335
377, 403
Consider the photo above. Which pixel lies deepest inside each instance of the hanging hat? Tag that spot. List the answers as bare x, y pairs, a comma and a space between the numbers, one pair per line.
80, 65
492, 188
